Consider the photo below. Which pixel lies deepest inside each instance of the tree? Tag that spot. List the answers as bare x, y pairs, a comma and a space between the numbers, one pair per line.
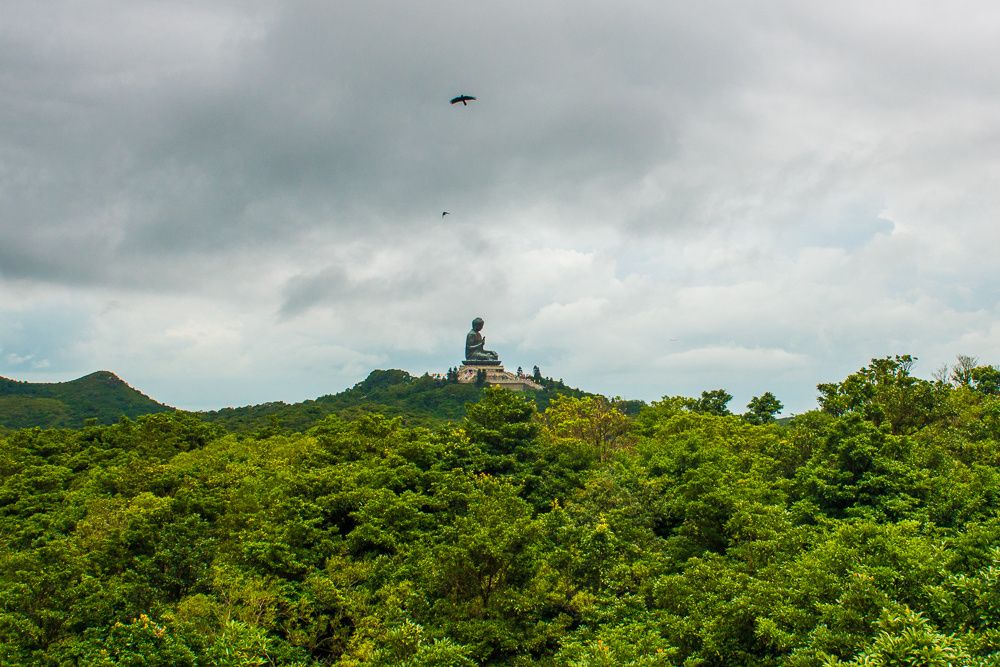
651, 417
961, 373
986, 380
536, 374
501, 421
761, 409
592, 419
713, 402
480, 378
942, 375
910, 639
884, 392
485, 552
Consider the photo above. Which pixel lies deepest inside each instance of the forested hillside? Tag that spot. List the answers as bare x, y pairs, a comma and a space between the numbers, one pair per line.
102, 397
419, 400
866, 532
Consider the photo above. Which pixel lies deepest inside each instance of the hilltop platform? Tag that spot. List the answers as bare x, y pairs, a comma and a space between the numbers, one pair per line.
496, 376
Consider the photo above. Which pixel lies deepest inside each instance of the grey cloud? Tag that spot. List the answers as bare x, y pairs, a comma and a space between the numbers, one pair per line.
771, 181
329, 115
419, 266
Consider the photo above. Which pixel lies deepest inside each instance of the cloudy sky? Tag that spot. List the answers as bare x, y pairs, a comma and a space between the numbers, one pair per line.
231, 202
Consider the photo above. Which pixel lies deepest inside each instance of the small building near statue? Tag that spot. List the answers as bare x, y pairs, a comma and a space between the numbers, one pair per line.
480, 360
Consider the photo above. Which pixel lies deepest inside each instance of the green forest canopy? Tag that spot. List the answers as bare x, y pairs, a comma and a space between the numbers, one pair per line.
865, 532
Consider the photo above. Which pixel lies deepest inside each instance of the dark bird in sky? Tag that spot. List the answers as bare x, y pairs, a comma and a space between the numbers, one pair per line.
444, 213
464, 99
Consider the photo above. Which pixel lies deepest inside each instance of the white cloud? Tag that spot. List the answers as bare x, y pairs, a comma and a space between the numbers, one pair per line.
739, 359
16, 359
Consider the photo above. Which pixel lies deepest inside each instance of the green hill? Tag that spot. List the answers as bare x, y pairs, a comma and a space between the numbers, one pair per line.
104, 397
420, 401
101, 396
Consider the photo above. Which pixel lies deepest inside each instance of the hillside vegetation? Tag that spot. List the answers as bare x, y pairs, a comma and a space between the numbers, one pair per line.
417, 400
866, 532
102, 397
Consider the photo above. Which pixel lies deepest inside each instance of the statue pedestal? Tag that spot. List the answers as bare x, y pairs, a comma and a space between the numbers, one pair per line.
496, 376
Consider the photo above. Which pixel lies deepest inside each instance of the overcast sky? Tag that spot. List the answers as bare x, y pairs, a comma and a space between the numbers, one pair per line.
234, 202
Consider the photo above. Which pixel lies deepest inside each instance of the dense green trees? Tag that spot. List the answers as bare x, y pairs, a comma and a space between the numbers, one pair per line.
866, 532
593, 420
714, 402
885, 392
762, 409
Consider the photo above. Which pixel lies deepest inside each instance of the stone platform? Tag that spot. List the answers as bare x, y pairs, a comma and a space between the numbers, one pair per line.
496, 376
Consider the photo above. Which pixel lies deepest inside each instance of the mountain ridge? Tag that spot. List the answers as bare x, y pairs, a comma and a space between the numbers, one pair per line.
100, 397
418, 400
105, 397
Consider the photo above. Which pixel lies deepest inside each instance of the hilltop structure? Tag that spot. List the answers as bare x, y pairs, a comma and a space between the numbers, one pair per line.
482, 365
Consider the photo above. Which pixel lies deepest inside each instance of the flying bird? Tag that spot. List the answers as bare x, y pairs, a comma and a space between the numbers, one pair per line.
444, 213
464, 99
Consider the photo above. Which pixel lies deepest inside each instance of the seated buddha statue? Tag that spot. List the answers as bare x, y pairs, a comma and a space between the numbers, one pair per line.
475, 351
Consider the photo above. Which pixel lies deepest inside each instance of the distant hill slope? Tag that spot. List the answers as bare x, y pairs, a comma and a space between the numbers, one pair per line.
102, 396
423, 400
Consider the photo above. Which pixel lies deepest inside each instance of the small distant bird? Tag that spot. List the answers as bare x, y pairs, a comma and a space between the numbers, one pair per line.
444, 213
464, 99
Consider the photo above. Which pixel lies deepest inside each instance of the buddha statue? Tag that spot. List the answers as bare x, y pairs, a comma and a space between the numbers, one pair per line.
475, 352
